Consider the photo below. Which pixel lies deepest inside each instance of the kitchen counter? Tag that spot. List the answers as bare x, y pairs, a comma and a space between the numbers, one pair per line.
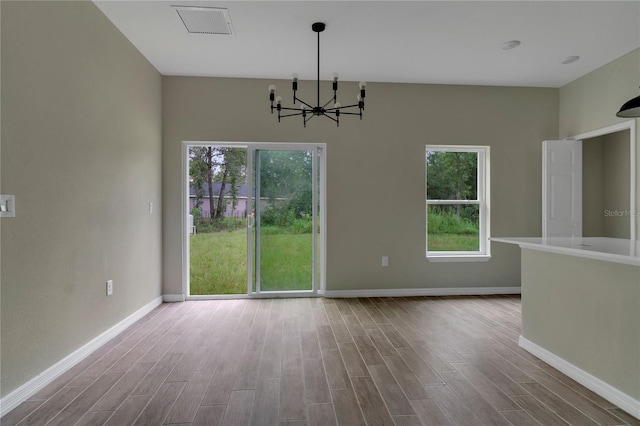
581, 311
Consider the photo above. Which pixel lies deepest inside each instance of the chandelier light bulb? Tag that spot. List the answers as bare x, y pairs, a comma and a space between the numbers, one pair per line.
362, 84
272, 88
337, 105
358, 98
294, 76
335, 76
278, 99
303, 107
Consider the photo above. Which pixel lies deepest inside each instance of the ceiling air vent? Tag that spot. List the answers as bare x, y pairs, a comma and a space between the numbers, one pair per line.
205, 20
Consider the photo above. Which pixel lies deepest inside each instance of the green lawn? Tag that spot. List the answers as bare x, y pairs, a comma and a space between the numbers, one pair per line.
453, 242
286, 262
219, 262
449, 232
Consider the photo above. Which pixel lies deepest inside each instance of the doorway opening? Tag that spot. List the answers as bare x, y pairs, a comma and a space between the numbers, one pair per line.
606, 186
254, 222
610, 206
601, 202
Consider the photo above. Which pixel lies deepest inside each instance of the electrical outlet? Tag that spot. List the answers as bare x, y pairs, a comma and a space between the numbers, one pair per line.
109, 287
385, 261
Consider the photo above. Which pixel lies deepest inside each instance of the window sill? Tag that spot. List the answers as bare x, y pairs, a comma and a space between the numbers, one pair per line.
458, 257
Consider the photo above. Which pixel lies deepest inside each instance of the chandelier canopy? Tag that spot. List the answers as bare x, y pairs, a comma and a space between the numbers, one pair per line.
306, 110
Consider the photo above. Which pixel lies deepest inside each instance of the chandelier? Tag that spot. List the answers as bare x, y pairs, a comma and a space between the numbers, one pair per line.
306, 110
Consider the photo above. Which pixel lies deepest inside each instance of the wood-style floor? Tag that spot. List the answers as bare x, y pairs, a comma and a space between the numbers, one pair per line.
387, 361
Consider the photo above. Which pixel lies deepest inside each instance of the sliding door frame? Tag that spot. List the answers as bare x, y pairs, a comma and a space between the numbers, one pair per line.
319, 213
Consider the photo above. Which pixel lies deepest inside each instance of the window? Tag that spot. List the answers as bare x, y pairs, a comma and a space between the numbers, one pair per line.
457, 203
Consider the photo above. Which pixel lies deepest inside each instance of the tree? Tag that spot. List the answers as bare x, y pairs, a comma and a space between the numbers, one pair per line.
198, 172
286, 176
452, 176
220, 165
232, 162
210, 164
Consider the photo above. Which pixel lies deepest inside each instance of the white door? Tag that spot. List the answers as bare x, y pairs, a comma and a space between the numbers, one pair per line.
562, 188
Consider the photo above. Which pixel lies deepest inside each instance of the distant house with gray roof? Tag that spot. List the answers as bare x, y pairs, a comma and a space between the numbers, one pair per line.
241, 200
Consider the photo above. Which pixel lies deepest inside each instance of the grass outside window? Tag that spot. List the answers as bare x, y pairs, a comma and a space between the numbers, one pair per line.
218, 261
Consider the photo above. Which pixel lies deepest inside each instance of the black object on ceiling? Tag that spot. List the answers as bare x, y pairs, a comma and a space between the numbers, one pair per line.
630, 108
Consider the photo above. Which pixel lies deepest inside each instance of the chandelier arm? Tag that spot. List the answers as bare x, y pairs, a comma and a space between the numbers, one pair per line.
291, 115
328, 102
330, 117
343, 107
304, 103
342, 111
347, 113
290, 109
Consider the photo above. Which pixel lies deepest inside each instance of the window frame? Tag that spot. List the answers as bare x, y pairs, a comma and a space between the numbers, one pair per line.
482, 201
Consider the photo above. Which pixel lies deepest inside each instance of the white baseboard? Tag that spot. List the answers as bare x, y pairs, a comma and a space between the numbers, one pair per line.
605, 390
171, 298
406, 292
27, 390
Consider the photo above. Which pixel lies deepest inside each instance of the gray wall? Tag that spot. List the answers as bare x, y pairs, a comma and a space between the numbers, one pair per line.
605, 188
375, 170
81, 151
591, 102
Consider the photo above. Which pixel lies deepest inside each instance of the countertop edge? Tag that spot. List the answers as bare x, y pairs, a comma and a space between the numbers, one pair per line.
588, 254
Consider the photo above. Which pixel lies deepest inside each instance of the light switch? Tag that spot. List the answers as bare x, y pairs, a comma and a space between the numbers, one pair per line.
7, 205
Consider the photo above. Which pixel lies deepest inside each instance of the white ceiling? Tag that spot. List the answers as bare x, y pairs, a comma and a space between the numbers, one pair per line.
443, 42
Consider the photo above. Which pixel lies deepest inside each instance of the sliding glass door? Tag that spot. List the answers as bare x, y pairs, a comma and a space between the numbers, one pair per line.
285, 227
285, 213
279, 188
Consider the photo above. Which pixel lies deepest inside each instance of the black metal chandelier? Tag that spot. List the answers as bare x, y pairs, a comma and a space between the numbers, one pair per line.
308, 111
